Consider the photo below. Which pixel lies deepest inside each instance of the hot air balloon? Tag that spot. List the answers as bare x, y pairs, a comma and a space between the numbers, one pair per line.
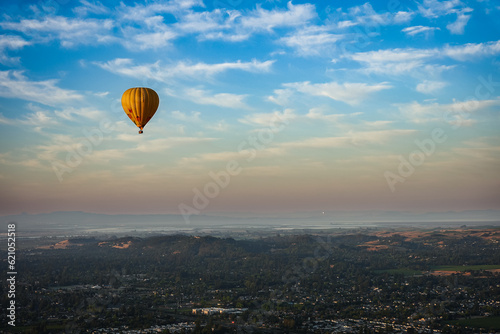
140, 105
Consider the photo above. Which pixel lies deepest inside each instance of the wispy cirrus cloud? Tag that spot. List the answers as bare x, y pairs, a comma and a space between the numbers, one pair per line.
417, 30
294, 15
14, 84
11, 42
69, 31
343, 25
225, 100
365, 15
87, 7
181, 70
311, 41
348, 92
472, 51
436, 8
41, 117
410, 60
430, 87
144, 12
149, 40
281, 96
433, 9
218, 24
319, 114
272, 119
353, 138
458, 27
161, 144
72, 113
395, 61
458, 112
184, 117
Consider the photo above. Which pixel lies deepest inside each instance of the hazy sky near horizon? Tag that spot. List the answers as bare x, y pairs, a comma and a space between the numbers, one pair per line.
264, 107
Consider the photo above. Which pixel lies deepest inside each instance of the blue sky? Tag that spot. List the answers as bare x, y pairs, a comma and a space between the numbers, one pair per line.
271, 107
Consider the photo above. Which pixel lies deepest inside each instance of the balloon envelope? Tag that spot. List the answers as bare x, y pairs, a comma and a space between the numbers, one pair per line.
140, 104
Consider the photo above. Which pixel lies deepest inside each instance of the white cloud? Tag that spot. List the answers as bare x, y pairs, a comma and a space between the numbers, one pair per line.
415, 30
93, 8
456, 113
104, 156
194, 117
150, 40
161, 144
158, 144
217, 24
436, 8
10, 42
346, 24
458, 26
393, 61
23, 161
351, 139
320, 40
433, 9
141, 13
319, 114
325, 142
262, 19
39, 119
212, 69
403, 61
101, 94
13, 84
403, 17
5, 120
393, 55
472, 51
226, 100
138, 26
218, 126
270, 120
210, 157
377, 124
350, 93
87, 112
181, 70
483, 148
430, 87
225, 156
281, 96
69, 31
366, 15
57, 147
311, 41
